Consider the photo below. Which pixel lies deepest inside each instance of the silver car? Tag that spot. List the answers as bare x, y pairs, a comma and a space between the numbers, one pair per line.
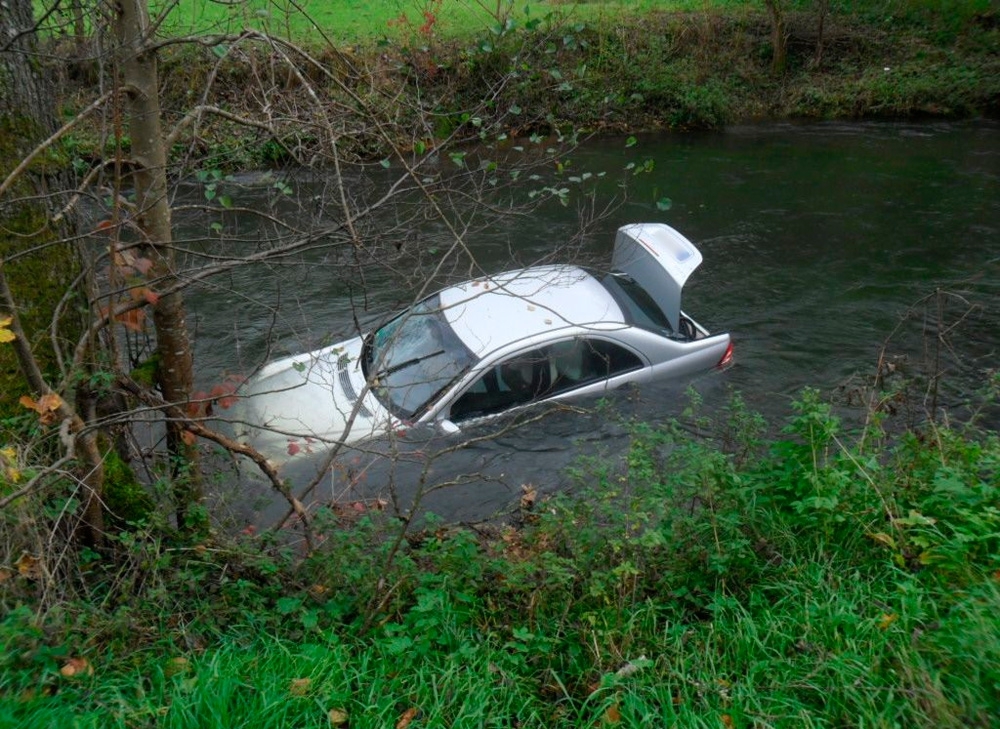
489, 346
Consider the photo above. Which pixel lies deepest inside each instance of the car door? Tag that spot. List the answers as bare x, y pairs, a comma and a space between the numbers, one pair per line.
560, 370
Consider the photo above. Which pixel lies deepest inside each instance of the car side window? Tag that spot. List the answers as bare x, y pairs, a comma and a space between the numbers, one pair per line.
542, 373
513, 382
584, 361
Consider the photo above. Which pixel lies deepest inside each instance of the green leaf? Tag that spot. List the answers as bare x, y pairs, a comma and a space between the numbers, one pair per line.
385, 163
631, 142
664, 203
226, 201
310, 619
288, 605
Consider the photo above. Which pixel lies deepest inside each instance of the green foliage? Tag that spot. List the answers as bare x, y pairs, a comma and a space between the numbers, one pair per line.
126, 500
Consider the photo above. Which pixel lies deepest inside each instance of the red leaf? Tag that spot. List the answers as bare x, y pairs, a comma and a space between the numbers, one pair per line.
196, 407
188, 437
142, 293
227, 402
293, 448
142, 265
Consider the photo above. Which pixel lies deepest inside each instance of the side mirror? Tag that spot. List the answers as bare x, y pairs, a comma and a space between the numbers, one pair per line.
447, 427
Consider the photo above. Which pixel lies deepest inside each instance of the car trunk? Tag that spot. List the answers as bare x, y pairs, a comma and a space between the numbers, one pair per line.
659, 259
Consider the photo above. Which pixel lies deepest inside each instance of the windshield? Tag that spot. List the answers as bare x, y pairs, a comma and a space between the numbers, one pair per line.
413, 357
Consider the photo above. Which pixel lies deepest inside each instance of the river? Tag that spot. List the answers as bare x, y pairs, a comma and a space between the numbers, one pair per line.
826, 246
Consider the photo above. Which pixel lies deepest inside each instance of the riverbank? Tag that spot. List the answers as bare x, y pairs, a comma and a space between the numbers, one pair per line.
658, 70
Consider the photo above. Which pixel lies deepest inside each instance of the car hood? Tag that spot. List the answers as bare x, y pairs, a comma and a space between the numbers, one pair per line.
308, 402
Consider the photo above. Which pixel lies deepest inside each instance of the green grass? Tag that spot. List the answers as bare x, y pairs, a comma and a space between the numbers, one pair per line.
354, 21
821, 648
822, 579
358, 21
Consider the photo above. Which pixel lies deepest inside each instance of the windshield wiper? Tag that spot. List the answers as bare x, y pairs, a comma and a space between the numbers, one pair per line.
408, 363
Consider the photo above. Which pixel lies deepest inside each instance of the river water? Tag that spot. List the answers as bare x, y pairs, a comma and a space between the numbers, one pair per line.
826, 246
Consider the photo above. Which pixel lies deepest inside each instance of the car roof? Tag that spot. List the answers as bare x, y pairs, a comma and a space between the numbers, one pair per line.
492, 312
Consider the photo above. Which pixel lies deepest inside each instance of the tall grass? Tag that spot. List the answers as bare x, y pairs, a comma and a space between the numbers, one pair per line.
823, 579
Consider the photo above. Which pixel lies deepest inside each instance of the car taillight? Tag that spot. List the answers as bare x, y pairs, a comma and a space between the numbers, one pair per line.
727, 358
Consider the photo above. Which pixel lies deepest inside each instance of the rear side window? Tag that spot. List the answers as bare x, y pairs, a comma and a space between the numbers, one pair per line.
638, 305
543, 373
583, 361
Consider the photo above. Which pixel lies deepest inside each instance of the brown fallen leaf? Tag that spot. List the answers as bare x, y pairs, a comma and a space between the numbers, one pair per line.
76, 667
886, 620
337, 717
406, 717
29, 566
299, 686
612, 715
529, 495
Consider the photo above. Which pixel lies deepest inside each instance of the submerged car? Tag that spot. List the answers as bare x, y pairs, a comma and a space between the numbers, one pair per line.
486, 347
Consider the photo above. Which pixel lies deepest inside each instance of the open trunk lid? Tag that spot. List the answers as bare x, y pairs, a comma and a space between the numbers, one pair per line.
659, 259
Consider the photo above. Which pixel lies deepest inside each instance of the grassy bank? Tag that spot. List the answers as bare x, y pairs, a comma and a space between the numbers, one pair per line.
823, 579
430, 69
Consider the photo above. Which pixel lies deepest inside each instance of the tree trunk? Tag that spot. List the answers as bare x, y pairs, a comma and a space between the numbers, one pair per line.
36, 283
79, 27
779, 37
140, 84
822, 10
22, 92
